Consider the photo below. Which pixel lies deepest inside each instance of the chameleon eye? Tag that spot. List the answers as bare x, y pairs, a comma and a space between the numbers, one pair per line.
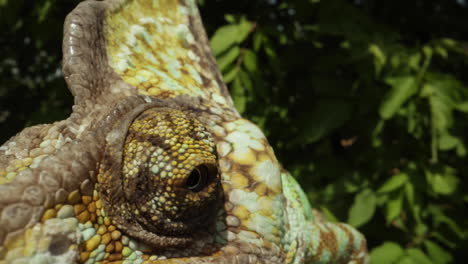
169, 186
199, 178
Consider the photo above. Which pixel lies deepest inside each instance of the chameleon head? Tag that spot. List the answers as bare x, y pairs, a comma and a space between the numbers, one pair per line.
169, 181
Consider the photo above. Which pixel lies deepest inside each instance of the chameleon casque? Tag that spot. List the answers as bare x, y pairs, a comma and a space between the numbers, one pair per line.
154, 165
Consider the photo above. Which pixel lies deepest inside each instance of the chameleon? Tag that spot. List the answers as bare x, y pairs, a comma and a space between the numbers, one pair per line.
154, 165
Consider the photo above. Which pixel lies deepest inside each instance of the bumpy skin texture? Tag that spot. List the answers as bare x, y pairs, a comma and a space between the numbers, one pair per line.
154, 165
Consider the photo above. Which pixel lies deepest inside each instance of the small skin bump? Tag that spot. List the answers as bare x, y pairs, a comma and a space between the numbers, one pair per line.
241, 212
244, 156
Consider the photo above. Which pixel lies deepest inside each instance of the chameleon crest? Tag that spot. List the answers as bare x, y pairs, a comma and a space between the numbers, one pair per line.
154, 165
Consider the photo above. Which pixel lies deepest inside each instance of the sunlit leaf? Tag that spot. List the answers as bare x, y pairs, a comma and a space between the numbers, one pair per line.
229, 57
447, 142
395, 182
363, 208
379, 57
328, 214
414, 61
223, 38
238, 95
229, 35
449, 42
250, 60
440, 217
418, 256
403, 87
387, 253
443, 182
394, 206
44, 10
463, 106
437, 254
230, 18
406, 260
231, 74
427, 50
246, 81
258, 39
243, 30
441, 51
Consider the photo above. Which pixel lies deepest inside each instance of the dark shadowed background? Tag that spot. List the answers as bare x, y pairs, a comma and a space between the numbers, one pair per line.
364, 101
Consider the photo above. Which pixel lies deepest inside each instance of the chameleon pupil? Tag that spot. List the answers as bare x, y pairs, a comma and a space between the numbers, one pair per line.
197, 179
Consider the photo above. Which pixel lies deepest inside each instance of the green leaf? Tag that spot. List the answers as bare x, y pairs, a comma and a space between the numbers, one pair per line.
258, 40
440, 218
243, 30
448, 142
229, 35
395, 182
379, 57
229, 57
406, 260
328, 215
387, 253
427, 50
441, 237
409, 193
376, 132
229, 18
441, 51
363, 208
223, 38
246, 80
418, 256
449, 42
43, 11
461, 150
441, 113
403, 87
413, 205
463, 107
394, 206
250, 60
437, 254
231, 74
414, 61
443, 182
238, 95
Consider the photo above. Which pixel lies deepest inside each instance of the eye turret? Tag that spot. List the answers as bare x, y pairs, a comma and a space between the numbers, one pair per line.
169, 184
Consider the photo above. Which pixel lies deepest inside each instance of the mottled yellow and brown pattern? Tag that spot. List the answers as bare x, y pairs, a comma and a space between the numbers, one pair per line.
154, 165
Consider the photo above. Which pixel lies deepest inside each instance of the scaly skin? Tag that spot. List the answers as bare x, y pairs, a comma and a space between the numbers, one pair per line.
154, 165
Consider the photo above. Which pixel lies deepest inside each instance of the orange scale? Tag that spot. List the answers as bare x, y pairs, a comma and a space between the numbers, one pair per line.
87, 199
92, 207
78, 208
110, 247
84, 256
115, 257
106, 238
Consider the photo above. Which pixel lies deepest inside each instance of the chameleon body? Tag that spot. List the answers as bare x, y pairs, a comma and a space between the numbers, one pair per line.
154, 165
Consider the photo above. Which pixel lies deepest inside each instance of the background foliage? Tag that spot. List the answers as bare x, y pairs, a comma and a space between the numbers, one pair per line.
364, 101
